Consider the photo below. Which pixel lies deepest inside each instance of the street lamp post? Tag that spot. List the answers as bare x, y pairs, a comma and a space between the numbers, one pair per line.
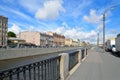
104, 31
98, 39
104, 17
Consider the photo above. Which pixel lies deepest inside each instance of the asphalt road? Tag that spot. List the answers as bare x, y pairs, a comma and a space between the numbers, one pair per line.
98, 66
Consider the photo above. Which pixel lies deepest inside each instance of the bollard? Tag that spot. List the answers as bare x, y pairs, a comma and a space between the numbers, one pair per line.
64, 66
79, 57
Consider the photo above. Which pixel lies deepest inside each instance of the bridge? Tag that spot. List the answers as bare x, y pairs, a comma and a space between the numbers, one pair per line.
65, 63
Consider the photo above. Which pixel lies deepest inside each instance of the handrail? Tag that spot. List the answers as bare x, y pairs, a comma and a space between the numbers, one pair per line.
48, 69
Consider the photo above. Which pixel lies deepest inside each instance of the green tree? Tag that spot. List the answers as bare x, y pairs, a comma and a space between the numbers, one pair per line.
11, 34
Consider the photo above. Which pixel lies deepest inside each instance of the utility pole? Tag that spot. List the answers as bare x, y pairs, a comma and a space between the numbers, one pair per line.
98, 40
104, 17
104, 31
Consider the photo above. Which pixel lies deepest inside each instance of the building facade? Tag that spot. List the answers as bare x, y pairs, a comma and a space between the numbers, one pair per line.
58, 40
68, 42
71, 42
3, 30
15, 42
37, 38
46, 40
75, 43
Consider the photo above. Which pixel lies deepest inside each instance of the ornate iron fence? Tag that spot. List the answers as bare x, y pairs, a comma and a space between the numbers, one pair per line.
86, 51
73, 59
82, 53
48, 69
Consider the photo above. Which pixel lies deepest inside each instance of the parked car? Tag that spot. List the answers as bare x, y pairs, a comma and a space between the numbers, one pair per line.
117, 43
110, 45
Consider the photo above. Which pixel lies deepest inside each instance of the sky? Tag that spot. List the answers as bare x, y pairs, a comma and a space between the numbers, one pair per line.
76, 19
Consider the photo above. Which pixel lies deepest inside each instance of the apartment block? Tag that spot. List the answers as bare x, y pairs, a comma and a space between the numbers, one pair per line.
3, 30
71, 42
46, 40
58, 40
68, 42
37, 38
75, 43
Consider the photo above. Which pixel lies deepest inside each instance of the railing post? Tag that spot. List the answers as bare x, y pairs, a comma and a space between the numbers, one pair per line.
64, 66
84, 52
79, 57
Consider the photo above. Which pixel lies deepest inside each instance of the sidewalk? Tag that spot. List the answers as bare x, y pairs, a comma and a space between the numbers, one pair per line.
98, 66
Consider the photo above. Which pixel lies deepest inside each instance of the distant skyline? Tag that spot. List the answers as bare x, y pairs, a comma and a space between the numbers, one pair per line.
77, 19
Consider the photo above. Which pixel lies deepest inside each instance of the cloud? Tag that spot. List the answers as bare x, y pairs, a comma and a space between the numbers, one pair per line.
20, 14
76, 33
111, 33
50, 10
15, 28
30, 5
32, 28
100, 27
80, 8
14, 12
93, 17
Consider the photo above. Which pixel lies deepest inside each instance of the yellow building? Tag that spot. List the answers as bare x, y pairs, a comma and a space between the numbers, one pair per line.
74, 43
71, 42
68, 42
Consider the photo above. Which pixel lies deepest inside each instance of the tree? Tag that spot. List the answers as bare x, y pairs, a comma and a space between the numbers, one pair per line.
11, 34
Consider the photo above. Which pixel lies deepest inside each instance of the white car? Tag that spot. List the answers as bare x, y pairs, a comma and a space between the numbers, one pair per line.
114, 49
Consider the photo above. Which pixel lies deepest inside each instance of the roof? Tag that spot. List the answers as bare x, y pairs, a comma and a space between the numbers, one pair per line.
13, 38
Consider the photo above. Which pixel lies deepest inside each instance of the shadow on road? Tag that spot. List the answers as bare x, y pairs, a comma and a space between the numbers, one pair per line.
115, 54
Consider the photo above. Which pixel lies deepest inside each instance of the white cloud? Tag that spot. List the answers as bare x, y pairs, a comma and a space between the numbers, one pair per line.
76, 33
15, 12
32, 28
20, 14
93, 17
65, 24
60, 30
15, 28
100, 27
30, 5
78, 10
111, 33
97, 20
50, 10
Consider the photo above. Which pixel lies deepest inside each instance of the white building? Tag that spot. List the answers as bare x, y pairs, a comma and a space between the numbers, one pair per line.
37, 38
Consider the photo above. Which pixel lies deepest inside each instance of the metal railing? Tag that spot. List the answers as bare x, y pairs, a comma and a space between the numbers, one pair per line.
48, 69
82, 53
86, 51
73, 59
